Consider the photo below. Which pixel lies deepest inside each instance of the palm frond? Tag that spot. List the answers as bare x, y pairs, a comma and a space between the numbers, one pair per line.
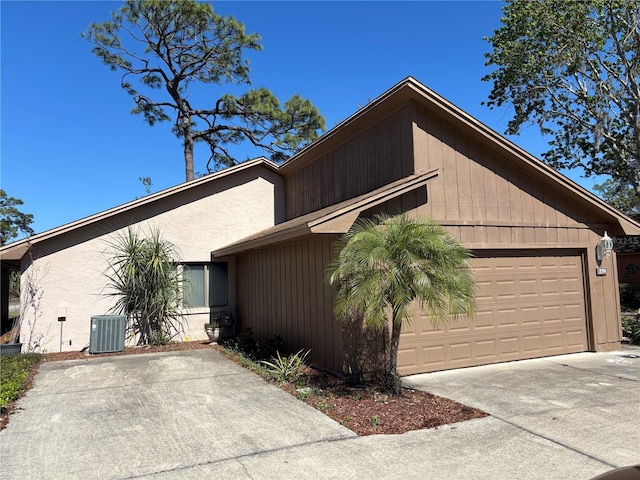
382, 265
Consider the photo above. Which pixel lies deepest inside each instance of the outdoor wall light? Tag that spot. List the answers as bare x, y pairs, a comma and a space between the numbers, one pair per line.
604, 248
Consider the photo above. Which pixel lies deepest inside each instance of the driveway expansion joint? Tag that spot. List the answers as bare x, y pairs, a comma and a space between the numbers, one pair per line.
610, 375
239, 458
556, 442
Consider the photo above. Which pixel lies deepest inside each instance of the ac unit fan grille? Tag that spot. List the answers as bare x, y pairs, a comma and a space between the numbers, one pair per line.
107, 333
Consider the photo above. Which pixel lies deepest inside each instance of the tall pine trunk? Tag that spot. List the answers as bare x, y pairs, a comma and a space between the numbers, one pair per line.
188, 147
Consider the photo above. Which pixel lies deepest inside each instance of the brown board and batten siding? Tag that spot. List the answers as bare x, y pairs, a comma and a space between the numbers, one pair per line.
370, 159
488, 201
532, 232
284, 291
479, 186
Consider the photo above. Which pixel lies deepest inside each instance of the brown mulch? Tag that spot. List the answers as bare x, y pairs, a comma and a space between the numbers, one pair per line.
365, 409
369, 410
172, 347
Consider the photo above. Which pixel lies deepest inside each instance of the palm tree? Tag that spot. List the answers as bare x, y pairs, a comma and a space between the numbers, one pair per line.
384, 264
146, 283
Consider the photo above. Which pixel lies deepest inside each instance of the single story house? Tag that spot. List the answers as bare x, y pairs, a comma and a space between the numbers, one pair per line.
67, 265
542, 288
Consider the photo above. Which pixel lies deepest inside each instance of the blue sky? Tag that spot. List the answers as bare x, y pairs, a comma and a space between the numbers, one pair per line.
70, 148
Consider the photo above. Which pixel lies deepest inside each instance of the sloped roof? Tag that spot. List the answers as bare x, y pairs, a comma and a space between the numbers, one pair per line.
409, 90
336, 218
16, 250
390, 101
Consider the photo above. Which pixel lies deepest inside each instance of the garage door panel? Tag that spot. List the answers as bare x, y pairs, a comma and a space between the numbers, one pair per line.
532, 344
554, 341
509, 346
408, 358
506, 317
527, 307
530, 315
528, 288
423, 326
486, 349
576, 340
483, 320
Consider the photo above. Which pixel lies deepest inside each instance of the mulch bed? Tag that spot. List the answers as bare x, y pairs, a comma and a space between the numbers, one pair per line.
172, 347
369, 410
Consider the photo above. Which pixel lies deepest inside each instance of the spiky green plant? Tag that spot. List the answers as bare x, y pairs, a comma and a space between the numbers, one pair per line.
383, 264
287, 369
143, 278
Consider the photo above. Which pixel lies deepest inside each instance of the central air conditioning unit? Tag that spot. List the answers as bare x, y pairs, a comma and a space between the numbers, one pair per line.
107, 333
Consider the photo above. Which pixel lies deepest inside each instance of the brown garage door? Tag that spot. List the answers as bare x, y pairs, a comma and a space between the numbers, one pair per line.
528, 307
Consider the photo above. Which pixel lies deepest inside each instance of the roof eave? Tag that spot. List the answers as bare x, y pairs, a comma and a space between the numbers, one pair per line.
338, 221
409, 89
16, 250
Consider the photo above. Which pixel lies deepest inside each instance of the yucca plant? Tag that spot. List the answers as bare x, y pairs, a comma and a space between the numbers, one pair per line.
382, 265
287, 369
144, 279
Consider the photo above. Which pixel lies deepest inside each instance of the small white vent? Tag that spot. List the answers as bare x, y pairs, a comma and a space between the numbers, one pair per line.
107, 333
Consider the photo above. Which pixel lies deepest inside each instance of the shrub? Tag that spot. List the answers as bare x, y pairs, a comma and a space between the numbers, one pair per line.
262, 349
243, 343
629, 297
159, 338
287, 369
268, 347
15, 370
631, 329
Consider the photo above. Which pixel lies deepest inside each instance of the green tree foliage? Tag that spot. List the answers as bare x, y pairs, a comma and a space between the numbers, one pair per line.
146, 183
572, 67
13, 221
384, 264
143, 278
14, 286
169, 45
622, 197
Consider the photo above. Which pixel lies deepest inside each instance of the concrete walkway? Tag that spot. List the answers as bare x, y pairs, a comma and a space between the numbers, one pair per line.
193, 415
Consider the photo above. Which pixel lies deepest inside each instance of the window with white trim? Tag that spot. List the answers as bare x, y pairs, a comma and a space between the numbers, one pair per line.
206, 284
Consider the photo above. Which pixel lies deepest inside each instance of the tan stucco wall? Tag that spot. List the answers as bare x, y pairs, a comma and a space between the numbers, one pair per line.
70, 268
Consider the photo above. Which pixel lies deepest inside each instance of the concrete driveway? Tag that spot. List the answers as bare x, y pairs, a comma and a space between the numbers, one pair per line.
193, 415
586, 403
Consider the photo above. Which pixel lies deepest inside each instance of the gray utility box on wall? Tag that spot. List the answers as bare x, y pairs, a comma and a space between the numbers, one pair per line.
107, 333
